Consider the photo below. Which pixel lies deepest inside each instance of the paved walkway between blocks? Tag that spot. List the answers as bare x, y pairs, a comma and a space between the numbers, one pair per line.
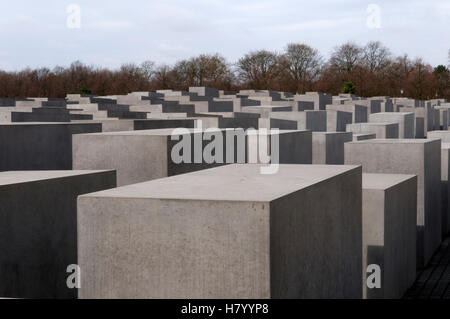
433, 282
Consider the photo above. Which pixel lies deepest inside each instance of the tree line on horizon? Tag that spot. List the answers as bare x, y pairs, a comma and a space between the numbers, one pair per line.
370, 70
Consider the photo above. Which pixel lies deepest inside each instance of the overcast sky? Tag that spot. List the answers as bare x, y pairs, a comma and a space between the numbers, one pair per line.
112, 32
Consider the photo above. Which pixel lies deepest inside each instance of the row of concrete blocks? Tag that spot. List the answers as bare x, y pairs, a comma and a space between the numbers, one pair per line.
63, 146
240, 234
409, 221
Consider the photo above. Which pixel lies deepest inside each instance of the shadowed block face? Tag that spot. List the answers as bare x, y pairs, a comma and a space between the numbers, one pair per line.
39, 146
38, 229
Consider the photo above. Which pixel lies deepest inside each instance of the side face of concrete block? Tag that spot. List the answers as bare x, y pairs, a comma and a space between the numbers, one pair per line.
389, 232
382, 130
417, 157
316, 121
337, 120
343, 248
39, 146
405, 121
136, 158
39, 229
240, 242
328, 148
294, 147
445, 165
140, 156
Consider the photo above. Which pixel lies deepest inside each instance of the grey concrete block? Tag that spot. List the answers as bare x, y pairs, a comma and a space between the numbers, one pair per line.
309, 120
443, 118
337, 120
328, 147
38, 229
359, 112
405, 121
266, 110
273, 123
443, 135
424, 119
140, 156
382, 130
39, 146
249, 236
389, 232
418, 157
445, 166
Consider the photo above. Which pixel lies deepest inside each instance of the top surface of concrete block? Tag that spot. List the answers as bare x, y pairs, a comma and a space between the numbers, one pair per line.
396, 141
19, 177
231, 183
383, 181
158, 132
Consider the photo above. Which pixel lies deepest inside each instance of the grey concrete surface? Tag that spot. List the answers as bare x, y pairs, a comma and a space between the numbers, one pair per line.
407, 156
405, 121
445, 166
389, 232
249, 236
328, 147
145, 155
38, 229
39, 146
309, 120
382, 130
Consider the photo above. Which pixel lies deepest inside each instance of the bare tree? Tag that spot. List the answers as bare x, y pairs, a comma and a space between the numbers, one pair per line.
163, 77
148, 69
303, 63
202, 70
345, 57
376, 57
259, 68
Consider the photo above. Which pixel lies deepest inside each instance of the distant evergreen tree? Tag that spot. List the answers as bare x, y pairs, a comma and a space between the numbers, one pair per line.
349, 88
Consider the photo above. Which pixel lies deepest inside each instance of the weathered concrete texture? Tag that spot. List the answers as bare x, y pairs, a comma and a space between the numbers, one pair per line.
418, 157
337, 120
140, 156
309, 120
382, 130
443, 135
443, 120
39, 146
248, 236
424, 119
328, 147
266, 110
405, 121
445, 166
38, 229
318, 100
359, 112
389, 232
292, 146
272, 123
